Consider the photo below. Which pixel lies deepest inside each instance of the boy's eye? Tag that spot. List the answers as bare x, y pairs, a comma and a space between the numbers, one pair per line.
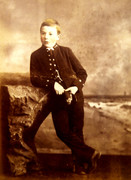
50, 34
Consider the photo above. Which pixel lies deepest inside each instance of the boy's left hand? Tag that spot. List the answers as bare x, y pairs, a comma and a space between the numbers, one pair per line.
73, 89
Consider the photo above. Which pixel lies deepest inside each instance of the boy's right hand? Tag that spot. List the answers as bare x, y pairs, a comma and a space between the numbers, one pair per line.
58, 88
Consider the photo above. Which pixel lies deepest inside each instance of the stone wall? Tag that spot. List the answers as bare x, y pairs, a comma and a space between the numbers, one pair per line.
19, 105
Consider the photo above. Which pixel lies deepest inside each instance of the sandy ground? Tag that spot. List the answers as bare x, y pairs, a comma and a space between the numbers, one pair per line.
110, 126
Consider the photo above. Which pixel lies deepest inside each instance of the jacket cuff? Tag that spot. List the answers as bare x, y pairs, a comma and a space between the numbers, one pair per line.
79, 84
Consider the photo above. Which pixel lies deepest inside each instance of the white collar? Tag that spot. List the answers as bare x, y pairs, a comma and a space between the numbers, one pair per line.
50, 49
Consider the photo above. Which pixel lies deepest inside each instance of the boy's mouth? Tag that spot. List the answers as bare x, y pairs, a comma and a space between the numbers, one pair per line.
46, 41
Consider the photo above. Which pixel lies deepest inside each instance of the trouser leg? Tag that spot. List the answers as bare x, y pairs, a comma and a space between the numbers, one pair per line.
76, 121
30, 132
39, 118
61, 123
76, 117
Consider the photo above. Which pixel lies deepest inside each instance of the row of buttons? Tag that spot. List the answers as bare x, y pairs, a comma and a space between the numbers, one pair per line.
52, 67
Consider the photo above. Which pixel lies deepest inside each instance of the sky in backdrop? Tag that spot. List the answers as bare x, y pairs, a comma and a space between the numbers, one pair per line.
98, 32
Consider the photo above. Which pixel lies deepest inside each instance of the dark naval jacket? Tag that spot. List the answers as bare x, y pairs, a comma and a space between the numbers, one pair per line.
59, 65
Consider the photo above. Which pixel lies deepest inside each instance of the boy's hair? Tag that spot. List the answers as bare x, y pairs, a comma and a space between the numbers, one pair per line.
51, 22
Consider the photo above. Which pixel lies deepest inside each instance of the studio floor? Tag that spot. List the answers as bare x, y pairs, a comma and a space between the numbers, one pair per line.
58, 166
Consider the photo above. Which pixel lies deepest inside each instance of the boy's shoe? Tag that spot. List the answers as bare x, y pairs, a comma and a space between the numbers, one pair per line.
79, 169
93, 161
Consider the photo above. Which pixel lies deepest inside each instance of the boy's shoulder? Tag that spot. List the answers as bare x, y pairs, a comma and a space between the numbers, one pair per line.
37, 51
64, 48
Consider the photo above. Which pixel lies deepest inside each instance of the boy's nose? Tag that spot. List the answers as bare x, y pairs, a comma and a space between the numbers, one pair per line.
46, 36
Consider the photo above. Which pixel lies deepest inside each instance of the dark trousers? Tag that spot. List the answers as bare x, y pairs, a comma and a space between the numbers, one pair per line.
68, 121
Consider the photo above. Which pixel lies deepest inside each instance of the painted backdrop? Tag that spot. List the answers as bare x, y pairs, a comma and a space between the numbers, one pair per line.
99, 33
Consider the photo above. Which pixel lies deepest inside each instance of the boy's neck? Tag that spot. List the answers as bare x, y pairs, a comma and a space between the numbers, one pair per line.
51, 47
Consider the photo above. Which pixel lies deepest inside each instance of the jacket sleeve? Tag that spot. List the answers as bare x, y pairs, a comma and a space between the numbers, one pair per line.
81, 74
39, 79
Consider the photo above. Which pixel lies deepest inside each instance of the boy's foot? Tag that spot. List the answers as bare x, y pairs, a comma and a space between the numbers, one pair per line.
79, 169
93, 161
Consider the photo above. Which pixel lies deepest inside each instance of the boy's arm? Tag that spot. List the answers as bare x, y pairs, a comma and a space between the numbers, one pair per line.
81, 74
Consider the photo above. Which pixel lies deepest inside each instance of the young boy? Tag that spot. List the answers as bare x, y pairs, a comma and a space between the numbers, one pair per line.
56, 69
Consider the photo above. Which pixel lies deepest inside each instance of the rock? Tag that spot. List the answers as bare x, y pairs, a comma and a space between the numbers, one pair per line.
19, 106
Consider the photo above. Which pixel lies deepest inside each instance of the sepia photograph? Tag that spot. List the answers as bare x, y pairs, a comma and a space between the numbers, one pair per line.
65, 89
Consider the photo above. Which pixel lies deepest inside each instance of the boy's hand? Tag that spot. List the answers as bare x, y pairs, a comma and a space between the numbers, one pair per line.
68, 96
58, 88
73, 89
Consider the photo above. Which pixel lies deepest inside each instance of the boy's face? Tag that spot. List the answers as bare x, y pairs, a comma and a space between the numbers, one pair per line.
49, 36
